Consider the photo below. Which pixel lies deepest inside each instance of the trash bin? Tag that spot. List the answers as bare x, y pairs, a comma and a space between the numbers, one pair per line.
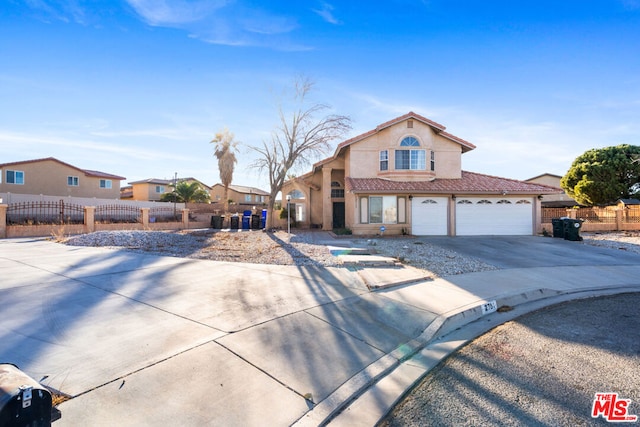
217, 222
235, 222
246, 222
263, 219
558, 227
255, 222
572, 229
24, 401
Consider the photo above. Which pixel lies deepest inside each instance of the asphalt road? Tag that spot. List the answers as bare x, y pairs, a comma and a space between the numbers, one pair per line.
544, 368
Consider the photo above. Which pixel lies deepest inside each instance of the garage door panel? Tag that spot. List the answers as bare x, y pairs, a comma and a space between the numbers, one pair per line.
494, 216
429, 216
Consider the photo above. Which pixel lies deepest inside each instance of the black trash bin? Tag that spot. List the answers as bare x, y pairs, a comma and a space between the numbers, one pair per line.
235, 222
572, 229
217, 222
255, 222
24, 401
558, 227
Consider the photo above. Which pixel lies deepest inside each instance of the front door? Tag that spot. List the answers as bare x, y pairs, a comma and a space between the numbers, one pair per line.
338, 215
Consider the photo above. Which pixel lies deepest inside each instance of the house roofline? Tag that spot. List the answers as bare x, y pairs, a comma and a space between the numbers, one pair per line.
87, 172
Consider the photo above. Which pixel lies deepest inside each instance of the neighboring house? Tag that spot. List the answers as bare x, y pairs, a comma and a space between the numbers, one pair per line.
405, 176
152, 189
240, 195
559, 200
52, 177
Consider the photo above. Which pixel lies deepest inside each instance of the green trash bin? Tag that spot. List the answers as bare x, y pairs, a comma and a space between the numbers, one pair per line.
558, 227
572, 229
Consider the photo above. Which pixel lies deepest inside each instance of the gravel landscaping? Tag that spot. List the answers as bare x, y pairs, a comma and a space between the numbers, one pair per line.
309, 248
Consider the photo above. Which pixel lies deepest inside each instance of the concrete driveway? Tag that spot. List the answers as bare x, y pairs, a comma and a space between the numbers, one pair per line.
532, 251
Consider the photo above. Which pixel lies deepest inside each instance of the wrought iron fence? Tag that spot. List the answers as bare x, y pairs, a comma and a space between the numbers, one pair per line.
110, 214
632, 214
39, 213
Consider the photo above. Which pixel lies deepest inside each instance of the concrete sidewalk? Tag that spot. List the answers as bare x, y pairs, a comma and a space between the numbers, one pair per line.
139, 339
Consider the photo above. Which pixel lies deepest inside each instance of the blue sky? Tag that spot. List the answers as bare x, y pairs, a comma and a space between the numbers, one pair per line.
138, 88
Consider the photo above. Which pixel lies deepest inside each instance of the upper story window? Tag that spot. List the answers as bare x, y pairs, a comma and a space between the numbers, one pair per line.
247, 198
105, 183
384, 160
160, 189
337, 192
296, 194
73, 181
411, 159
433, 161
14, 177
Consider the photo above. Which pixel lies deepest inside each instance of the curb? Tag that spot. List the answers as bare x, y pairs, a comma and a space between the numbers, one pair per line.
369, 395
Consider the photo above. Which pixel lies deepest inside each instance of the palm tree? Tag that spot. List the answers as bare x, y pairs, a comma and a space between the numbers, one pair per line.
225, 153
186, 192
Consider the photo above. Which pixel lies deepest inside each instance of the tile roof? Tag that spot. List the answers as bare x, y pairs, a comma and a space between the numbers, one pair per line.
470, 183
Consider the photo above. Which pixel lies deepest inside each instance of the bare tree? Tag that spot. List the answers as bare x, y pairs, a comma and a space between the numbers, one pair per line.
226, 148
300, 136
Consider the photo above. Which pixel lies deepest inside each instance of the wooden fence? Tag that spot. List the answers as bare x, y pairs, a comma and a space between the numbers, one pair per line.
608, 218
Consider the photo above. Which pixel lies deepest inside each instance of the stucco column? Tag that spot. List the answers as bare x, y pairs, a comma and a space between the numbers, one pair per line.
89, 219
3, 221
185, 218
145, 217
327, 207
619, 219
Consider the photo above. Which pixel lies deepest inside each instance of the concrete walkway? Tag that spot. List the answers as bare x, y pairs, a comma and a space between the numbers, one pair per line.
139, 339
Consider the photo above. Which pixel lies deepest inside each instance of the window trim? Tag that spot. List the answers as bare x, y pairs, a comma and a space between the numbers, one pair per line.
106, 184
15, 179
73, 181
383, 159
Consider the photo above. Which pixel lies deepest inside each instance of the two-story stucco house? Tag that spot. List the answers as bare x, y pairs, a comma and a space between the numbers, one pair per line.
153, 189
240, 194
52, 177
405, 176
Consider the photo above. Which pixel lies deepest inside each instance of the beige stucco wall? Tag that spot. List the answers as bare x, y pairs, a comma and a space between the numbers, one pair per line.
554, 182
147, 191
217, 195
364, 155
49, 177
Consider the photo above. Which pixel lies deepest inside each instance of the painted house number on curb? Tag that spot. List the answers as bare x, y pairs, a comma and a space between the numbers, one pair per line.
489, 307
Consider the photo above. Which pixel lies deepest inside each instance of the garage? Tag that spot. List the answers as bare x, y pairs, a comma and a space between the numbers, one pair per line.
477, 216
429, 216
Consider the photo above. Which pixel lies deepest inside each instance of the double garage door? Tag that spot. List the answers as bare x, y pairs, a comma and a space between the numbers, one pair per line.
474, 216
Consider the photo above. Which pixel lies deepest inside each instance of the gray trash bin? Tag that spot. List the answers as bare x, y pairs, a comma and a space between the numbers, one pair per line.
572, 229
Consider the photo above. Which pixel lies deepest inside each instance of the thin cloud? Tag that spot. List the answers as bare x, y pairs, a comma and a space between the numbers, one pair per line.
169, 13
326, 13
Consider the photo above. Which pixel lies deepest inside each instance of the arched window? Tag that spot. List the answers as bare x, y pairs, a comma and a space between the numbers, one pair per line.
504, 202
465, 202
410, 142
412, 159
484, 202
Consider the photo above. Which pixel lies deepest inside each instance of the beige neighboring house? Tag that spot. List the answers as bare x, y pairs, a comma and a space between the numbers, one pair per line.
560, 200
405, 176
240, 195
52, 177
152, 189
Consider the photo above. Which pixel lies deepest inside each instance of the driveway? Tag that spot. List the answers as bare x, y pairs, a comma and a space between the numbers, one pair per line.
533, 251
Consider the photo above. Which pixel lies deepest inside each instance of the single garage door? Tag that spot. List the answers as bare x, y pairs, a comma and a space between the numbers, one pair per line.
429, 216
494, 216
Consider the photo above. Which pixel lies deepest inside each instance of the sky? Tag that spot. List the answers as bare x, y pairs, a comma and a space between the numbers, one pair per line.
139, 88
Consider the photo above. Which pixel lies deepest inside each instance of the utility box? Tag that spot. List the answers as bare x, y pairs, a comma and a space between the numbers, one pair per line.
23, 401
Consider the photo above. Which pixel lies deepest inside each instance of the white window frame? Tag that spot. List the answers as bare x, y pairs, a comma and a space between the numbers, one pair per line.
16, 180
248, 198
160, 189
73, 181
384, 160
388, 210
107, 184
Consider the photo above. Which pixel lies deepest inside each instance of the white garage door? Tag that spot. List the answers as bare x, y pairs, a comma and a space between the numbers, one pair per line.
494, 216
429, 216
